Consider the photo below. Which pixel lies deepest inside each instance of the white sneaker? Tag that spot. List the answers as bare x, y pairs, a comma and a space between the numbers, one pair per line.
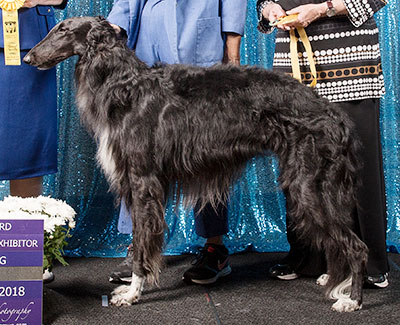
378, 281
48, 276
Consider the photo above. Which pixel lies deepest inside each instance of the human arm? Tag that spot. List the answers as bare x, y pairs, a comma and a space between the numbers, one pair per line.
125, 18
313, 11
268, 11
358, 11
34, 3
119, 15
232, 49
233, 17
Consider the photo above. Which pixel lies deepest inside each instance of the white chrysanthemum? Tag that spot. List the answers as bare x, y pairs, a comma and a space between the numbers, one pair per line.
72, 224
19, 215
31, 204
53, 212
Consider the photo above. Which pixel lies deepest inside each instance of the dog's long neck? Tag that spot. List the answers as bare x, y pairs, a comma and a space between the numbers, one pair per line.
100, 76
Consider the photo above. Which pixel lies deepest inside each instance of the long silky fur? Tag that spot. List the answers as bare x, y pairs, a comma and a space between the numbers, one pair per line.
197, 127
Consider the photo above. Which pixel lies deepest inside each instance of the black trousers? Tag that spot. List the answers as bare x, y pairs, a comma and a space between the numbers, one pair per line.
211, 222
370, 218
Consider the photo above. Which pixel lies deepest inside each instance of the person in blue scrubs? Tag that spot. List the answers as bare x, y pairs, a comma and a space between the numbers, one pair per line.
28, 106
195, 32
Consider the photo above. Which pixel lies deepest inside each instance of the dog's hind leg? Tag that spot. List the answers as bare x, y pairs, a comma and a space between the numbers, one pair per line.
347, 257
147, 211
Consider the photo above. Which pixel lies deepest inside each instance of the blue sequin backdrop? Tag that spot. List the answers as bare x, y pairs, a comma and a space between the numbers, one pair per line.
257, 207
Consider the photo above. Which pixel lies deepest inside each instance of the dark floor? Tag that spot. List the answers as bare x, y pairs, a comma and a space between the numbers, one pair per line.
247, 296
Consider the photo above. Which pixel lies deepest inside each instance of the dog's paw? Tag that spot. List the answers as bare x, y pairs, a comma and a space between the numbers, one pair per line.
123, 296
322, 280
346, 305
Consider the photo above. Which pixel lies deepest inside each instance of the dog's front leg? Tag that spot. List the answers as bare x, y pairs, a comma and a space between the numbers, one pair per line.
126, 295
147, 212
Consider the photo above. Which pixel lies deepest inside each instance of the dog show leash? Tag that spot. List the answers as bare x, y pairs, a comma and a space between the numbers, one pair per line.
294, 57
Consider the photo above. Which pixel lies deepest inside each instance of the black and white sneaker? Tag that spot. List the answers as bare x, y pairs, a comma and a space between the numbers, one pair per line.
123, 271
211, 264
379, 281
283, 272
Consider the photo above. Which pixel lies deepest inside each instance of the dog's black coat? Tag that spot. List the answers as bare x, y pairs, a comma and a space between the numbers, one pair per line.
198, 127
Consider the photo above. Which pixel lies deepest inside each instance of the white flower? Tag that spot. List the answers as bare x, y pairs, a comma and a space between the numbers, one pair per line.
53, 212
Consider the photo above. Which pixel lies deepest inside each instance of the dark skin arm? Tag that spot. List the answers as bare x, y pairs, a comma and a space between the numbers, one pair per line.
232, 49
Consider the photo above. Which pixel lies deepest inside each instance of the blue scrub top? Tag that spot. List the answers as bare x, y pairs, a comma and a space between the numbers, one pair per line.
193, 28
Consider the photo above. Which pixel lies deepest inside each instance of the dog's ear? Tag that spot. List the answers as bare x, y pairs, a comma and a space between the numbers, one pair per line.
101, 34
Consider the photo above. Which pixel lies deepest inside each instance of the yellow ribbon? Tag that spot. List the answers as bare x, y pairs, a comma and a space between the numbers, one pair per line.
11, 30
294, 57
10, 5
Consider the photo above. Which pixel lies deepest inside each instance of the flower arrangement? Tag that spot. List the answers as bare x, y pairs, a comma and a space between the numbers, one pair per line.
56, 215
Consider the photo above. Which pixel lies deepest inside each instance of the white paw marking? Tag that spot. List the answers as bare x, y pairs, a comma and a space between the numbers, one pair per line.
127, 295
322, 280
346, 305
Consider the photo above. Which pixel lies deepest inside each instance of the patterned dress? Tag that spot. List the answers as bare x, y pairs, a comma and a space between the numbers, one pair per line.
346, 51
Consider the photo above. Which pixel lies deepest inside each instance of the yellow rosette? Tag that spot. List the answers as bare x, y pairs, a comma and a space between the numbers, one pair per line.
11, 30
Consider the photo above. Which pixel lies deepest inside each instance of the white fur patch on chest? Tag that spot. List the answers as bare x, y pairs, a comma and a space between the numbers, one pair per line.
104, 153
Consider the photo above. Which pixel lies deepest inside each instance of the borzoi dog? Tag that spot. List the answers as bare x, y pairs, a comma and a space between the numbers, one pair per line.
197, 127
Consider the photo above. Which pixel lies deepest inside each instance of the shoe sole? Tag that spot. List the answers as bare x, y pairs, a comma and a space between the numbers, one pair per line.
287, 277
120, 280
226, 271
49, 279
382, 285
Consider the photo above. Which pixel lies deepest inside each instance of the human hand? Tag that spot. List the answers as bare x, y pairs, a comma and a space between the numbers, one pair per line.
272, 12
30, 3
230, 60
116, 28
306, 14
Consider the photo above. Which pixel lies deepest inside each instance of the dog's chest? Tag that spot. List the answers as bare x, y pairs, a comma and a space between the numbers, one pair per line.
104, 153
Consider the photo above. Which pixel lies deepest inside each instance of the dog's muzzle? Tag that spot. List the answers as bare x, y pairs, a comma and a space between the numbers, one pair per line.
27, 59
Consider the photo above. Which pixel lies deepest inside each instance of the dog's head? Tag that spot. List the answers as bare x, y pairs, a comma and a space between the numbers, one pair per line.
73, 36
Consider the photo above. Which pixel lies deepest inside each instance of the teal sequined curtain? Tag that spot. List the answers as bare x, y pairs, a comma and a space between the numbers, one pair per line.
256, 208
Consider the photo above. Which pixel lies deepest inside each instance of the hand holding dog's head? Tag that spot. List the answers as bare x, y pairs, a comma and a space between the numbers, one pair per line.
73, 36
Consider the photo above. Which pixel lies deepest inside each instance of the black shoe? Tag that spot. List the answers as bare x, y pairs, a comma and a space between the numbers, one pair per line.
376, 281
123, 272
211, 264
283, 272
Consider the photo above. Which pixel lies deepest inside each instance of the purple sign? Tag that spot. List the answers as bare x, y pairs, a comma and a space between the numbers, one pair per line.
21, 302
21, 248
21, 226
34, 258
19, 243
